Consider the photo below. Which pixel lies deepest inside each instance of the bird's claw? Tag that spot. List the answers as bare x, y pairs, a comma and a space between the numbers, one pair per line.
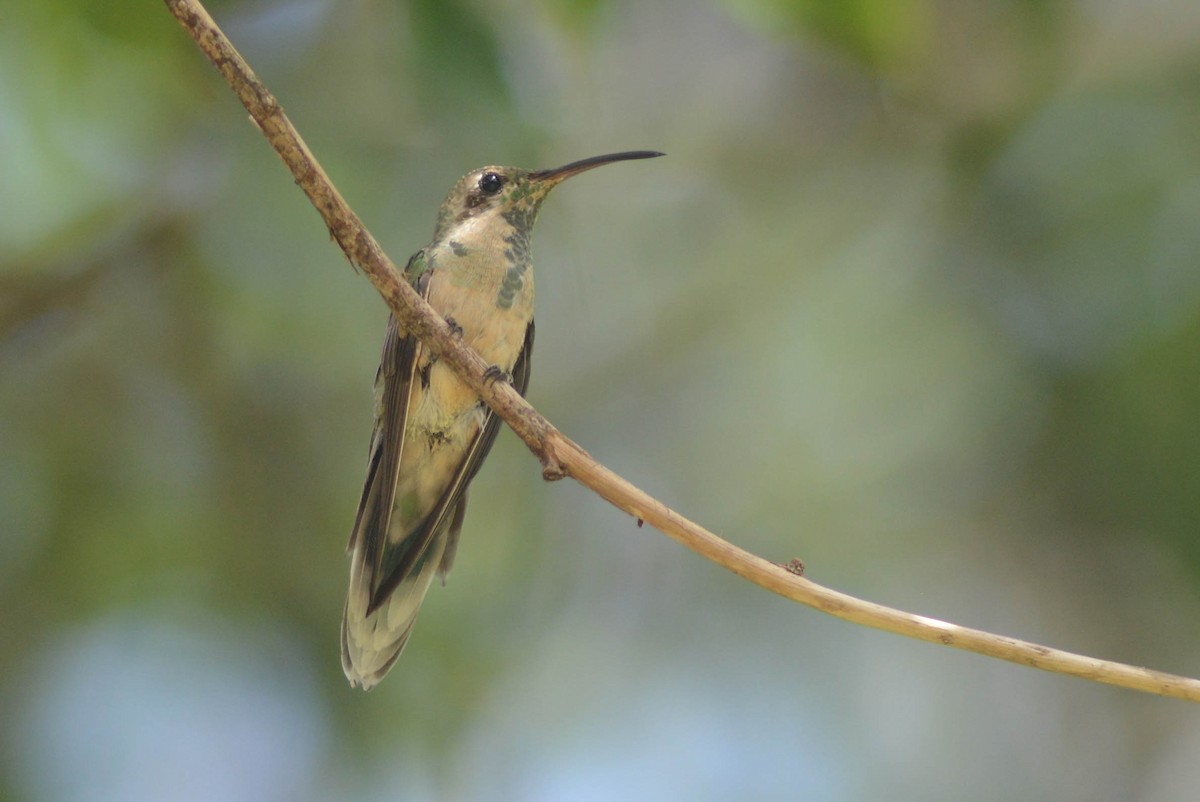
495, 374
455, 329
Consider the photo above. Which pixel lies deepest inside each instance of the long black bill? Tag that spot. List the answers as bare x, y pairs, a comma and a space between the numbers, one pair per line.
567, 170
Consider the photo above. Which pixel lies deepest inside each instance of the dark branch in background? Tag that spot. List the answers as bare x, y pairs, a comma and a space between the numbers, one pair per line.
561, 457
54, 288
26, 299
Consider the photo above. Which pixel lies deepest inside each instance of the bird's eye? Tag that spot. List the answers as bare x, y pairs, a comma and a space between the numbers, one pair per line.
490, 183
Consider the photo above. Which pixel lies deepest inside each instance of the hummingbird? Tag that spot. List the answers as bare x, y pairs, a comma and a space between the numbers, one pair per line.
431, 430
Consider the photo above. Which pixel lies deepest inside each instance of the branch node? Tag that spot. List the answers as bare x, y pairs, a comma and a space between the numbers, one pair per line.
794, 566
552, 469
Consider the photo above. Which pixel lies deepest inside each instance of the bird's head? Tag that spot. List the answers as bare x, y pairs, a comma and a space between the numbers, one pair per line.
512, 193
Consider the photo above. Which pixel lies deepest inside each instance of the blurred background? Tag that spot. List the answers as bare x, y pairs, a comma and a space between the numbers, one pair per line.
914, 297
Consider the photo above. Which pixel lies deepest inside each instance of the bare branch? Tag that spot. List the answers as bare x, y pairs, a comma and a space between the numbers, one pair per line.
561, 457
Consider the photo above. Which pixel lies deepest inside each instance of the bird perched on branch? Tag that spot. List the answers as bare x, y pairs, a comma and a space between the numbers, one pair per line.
432, 431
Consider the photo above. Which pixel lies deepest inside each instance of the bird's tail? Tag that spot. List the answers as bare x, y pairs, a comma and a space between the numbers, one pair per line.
372, 642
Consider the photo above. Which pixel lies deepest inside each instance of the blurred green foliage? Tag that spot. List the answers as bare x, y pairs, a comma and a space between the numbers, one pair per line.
884, 35
915, 297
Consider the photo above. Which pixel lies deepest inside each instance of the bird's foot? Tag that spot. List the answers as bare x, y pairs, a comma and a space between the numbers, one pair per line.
455, 329
495, 374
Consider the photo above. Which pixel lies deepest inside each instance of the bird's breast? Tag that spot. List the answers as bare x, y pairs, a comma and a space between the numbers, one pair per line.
489, 295
488, 292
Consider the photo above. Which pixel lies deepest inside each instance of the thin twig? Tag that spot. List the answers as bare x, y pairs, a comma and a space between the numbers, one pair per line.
561, 457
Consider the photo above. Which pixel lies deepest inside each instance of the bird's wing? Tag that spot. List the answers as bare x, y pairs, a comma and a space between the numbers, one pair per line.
491, 427
370, 644
393, 388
